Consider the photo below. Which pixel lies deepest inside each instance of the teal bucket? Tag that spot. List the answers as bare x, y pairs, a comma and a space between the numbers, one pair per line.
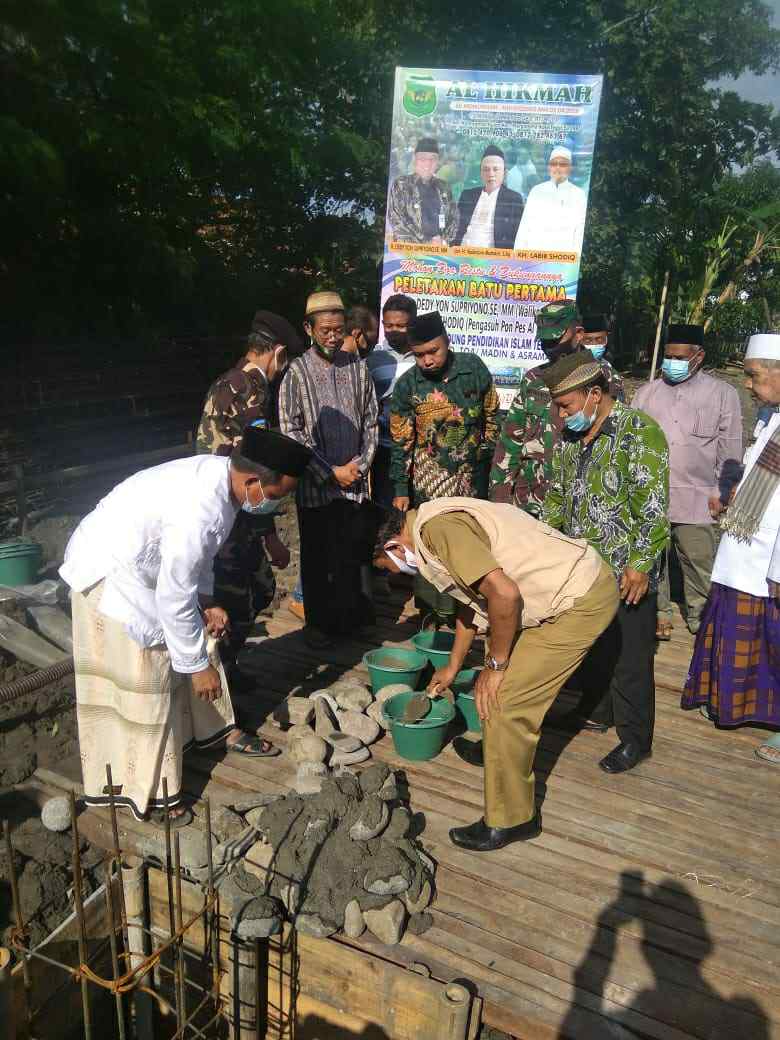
463, 688
19, 562
394, 665
437, 646
418, 741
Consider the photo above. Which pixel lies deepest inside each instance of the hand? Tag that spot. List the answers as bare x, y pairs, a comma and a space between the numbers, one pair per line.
401, 502
441, 679
774, 590
207, 684
716, 506
350, 345
486, 692
217, 621
633, 586
347, 475
278, 553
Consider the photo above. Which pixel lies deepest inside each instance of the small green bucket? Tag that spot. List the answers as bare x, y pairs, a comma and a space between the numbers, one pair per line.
19, 562
437, 646
463, 688
394, 665
423, 740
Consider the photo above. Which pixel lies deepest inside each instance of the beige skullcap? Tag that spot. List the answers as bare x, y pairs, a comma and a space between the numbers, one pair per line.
323, 301
571, 372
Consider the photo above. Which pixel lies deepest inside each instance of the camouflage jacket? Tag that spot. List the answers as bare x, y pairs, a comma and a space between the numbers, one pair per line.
404, 209
444, 431
235, 398
522, 464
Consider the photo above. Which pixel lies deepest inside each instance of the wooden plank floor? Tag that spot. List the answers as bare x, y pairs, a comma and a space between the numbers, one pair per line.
649, 907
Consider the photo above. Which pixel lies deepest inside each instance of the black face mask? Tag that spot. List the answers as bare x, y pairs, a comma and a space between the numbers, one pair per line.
398, 340
554, 349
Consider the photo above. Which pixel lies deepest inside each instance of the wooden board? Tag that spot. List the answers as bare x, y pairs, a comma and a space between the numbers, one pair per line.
651, 900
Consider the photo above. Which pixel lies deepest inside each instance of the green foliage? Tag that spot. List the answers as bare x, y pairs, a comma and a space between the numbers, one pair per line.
173, 165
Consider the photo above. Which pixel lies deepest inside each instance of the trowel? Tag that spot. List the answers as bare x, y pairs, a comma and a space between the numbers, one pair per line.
417, 707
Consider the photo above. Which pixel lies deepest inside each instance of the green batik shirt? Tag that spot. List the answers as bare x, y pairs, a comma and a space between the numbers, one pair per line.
614, 492
522, 464
444, 431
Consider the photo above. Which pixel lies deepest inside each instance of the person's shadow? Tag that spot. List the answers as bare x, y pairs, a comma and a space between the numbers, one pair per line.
680, 997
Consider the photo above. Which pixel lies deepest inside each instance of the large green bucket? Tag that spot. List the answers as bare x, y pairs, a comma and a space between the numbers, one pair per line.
19, 562
394, 665
463, 688
423, 740
437, 646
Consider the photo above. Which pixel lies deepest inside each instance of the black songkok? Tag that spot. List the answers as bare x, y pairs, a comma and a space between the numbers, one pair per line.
691, 334
425, 327
274, 450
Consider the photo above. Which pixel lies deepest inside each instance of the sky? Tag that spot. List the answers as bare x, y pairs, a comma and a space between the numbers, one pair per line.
765, 89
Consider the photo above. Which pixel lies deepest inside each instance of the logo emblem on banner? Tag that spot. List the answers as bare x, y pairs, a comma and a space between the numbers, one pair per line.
420, 96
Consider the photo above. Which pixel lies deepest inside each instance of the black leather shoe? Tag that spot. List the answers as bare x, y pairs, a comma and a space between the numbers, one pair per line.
470, 751
623, 758
478, 837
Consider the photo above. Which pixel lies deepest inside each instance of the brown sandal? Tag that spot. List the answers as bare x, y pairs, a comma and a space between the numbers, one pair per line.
663, 631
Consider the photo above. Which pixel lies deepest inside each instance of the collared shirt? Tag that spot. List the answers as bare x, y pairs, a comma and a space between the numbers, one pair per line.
386, 367
444, 430
747, 565
153, 539
702, 420
553, 218
614, 491
331, 408
235, 399
480, 229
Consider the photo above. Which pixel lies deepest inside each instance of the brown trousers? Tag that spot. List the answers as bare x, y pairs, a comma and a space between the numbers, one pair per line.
542, 660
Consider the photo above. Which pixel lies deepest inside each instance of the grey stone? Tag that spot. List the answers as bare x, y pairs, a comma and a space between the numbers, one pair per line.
226, 824
192, 846
372, 820
290, 895
324, 715
317, 830
342, 743
55, 815
391, 886
258, 928
358, 725
418, 924
312, 924
295, 711
245, 806
309, 777
308, 748
416, 906
229, 851
427, 862
374, 711
388, 792
354, 923
351, 758
18, 769
373, 777
354, 698
390, 691
388, 923
259, 859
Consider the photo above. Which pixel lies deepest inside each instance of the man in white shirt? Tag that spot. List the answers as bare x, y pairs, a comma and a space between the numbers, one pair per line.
734, 674
148, 679
554, 215
489, 216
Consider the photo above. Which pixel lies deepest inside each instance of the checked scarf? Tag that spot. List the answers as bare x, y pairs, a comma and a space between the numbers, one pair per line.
745, 513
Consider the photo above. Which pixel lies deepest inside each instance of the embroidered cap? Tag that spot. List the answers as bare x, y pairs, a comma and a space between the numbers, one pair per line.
323, 301
274, 450
553, 319
425, 327
764, 346
571, 373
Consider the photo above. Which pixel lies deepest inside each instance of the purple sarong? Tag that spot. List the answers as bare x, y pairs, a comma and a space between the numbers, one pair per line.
735, 668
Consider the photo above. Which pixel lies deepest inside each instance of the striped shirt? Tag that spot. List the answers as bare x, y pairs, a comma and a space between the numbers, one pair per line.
386, 367
331, 408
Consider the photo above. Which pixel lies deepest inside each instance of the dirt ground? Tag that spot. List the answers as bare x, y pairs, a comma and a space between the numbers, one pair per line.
40, 729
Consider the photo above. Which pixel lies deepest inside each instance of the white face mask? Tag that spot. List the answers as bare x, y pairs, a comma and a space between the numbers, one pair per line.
264, 506
407, 565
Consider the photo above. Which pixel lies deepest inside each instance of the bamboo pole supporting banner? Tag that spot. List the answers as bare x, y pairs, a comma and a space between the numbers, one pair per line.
659, 325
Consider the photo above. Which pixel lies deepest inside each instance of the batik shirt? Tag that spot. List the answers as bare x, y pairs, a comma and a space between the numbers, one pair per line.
522, 464
405, 210
235, 399
444, 431
614, 491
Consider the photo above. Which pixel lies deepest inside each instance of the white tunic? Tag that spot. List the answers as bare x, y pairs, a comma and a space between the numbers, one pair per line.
553, 218
480, 229
154, 539
747, 565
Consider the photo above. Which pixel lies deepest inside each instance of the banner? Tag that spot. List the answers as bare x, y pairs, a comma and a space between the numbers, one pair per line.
487, 196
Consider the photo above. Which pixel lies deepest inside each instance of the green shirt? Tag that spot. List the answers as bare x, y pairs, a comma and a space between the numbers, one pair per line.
444, 431
614, 492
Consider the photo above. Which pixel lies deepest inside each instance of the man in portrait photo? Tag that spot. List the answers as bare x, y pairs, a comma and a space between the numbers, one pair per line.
554, 214
420, 207
490, 215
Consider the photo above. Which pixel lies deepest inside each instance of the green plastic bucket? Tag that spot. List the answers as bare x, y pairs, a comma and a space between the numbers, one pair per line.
19, 562
463, 688
423, 740
437, 646
394, 665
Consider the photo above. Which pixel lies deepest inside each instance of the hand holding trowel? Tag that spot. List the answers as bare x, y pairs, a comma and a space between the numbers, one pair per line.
419, 705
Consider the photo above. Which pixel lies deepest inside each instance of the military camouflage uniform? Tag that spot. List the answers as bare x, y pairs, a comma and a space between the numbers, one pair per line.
522, 464
244, 583
404, 209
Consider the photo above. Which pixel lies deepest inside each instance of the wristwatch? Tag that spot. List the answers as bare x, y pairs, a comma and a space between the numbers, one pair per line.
496, 666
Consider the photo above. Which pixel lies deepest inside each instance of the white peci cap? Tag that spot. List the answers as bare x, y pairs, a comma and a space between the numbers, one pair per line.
559, 152
764, 346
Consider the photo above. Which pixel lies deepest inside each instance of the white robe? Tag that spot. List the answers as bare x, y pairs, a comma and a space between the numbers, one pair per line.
553, 219
747, 565
153, 539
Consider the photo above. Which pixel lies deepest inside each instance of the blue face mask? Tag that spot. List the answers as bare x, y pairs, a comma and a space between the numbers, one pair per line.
266, 505
598, 352
580, 422
676, 369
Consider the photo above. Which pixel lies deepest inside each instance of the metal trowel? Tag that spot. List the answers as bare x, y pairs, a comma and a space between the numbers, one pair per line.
417, 707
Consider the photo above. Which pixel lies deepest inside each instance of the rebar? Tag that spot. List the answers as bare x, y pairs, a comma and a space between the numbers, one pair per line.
117, 857
180, 944
214, 916
78, 899
16, 902
169, 880
120, 1010
30, 683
